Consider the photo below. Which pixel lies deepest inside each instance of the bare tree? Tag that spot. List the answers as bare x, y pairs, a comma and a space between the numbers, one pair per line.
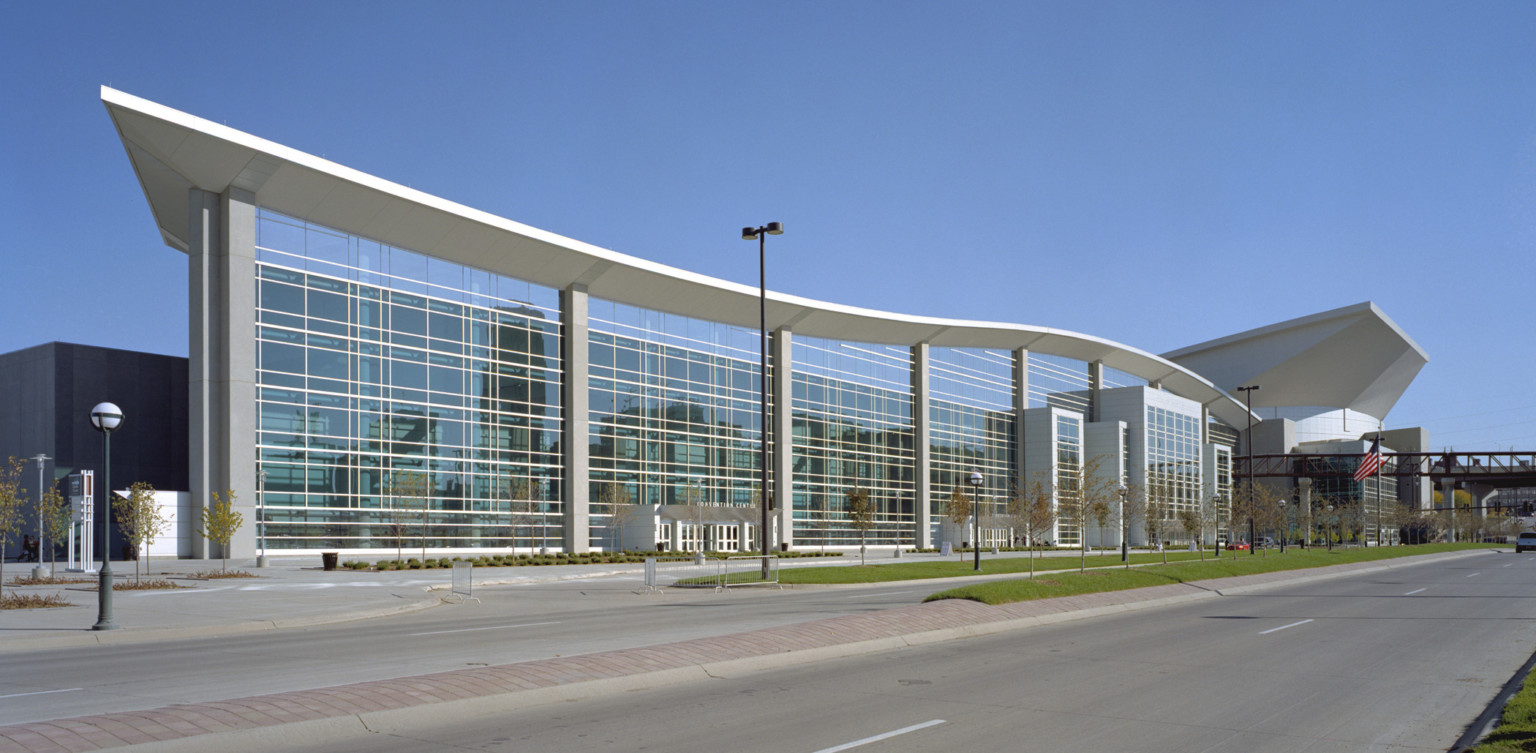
1031, 510
616, 498
1097, 493
1134, 511
406, 491
861, 514
1196, 520
140, 519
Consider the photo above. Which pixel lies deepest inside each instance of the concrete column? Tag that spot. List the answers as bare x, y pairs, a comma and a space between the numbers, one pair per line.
922, 460
1448, 497
1304, 506
575, 494
222, 359
1020, 404
780, 355
1095, 386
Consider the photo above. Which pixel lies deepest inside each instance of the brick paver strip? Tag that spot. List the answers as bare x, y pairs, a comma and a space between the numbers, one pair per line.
100, 731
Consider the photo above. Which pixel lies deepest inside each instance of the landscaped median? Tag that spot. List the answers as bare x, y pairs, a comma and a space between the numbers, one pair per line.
1058, 576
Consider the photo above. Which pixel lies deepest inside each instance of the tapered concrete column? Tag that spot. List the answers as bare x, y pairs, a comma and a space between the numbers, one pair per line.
922, 461
1020, 404
783, 438
575, 495
221, 351
1095, 386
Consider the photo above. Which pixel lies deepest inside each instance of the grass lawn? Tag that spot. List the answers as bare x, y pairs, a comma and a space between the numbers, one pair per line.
890, 569
1071, 583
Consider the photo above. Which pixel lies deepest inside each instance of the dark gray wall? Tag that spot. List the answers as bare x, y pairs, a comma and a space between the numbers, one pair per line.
46, 394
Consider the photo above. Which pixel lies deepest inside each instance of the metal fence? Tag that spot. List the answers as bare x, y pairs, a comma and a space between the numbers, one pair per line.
691, 572
463, 581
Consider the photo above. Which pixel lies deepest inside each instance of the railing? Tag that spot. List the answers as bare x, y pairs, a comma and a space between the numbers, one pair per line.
463, 581
1466, 466
750, 570
692, 572
661, 572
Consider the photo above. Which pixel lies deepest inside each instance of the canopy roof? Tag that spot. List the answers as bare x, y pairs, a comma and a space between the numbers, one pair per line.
1352, 357
173, 151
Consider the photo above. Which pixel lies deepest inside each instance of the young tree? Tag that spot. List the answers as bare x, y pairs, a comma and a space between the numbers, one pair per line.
1196, 520
12, 497
1031, 510
959, 510
218, 523
861, 514
406, 492
1134, 510
140, 519
1098, 491
56, 520
616, 498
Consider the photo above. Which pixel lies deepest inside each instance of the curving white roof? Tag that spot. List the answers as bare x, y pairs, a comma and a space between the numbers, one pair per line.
1352, 357
173, 151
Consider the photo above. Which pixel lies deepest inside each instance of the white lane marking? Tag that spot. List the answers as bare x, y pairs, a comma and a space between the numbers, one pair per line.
41, 692
1282, 627
1417, 590
1474, 575
881, 736
1509, 564
887, 593
494, 627
180, 591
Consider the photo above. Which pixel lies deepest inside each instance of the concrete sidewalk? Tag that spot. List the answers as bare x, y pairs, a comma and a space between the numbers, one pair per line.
293, 591
315, 716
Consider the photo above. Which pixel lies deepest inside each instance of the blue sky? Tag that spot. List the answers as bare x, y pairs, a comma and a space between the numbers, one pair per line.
1158, 174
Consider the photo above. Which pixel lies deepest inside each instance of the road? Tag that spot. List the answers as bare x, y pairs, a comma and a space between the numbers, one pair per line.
1400, 660
510, 624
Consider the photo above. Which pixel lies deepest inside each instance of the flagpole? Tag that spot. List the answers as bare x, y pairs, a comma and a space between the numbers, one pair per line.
1380, 427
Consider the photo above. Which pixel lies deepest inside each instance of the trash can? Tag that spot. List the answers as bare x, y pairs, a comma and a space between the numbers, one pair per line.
328, 560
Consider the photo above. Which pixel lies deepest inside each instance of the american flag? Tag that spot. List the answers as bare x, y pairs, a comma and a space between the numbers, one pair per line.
1369, 462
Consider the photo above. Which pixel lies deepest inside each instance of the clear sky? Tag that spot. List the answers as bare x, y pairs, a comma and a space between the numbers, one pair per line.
1158, 174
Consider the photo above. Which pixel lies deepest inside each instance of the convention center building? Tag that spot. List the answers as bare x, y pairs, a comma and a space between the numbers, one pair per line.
364, 356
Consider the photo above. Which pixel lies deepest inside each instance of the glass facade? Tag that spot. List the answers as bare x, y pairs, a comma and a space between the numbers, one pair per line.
1173, 459
852, 421
380, 369
405, 401
1069, 466
971, 425
673, 409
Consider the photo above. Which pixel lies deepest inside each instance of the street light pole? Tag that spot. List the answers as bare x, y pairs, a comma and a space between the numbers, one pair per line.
977, 481
261, 514
1252, 498
1125, 552
760, 234
106, 417
37, 569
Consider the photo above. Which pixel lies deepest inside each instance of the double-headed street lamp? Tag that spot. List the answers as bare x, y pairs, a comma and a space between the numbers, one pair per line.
1252, 498
106, 417
760, 234
976, 481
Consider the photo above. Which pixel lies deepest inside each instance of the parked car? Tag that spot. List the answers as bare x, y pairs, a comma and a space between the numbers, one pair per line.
1526, 540
1266, 542
1240, 546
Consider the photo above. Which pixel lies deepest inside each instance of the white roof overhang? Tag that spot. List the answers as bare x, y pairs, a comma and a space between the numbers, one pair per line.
173, 151
1352, 357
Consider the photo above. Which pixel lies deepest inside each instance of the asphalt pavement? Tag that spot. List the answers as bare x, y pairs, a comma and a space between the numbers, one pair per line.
297, 592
